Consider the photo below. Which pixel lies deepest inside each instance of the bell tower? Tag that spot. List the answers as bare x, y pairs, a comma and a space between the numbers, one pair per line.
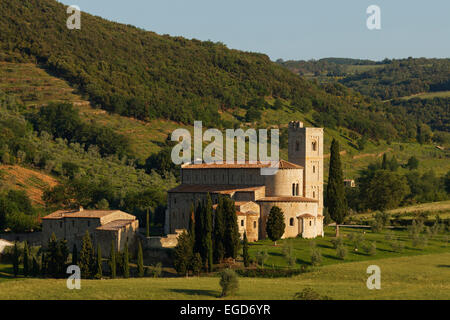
305, 148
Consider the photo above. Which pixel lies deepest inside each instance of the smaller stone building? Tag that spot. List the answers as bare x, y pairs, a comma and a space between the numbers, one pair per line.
104, 226
4, 244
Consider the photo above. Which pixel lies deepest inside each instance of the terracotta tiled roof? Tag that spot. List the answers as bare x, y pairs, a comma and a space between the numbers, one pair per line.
286, 199
307, 215
115, 225
282, 164
222, 189
79, 214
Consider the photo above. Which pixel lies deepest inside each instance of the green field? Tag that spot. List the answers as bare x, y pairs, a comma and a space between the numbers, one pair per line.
418, 277
433, 209
302, 247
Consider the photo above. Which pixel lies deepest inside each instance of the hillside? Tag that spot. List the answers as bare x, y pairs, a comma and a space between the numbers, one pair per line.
387, 79
147, 137
33, 182
140, 74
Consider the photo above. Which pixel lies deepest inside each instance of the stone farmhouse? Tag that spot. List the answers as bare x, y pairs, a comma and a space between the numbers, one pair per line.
104, 226
297, 188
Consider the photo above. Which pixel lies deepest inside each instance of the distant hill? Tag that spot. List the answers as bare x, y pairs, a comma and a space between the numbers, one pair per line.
135, 73
387, 79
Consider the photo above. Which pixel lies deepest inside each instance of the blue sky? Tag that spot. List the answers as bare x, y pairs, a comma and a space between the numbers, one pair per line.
293, 29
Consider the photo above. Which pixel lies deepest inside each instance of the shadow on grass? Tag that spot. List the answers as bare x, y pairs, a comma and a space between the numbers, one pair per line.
277, 254
329, 256
199, 292
443, 265
325, 246
301, 261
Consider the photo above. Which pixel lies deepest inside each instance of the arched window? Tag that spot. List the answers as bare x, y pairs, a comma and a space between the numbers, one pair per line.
293, 189
242, 223
297, 190
254, 224
310, 222
314, 169
314, 146
297, 146
291, 222
314, 194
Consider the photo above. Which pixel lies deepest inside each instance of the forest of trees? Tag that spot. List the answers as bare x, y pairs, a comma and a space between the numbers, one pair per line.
140, 74
402, 78
89, 177
382, 186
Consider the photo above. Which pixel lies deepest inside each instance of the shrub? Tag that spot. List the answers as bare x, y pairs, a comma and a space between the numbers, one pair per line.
196, 265
154, 271
338, 241
389, 236
288, 253
309, 294
229, 282
370, 248
341, 252
271, 273
419, 241
261, 257
397, 246
316, 257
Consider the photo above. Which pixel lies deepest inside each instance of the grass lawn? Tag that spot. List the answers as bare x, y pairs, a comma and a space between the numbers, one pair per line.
302, 247
414, 277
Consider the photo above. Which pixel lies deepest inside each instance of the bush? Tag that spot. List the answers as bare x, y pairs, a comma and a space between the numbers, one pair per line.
261, 257
154, 271
309, 294
316, 257
341, 252
339, 241
397, 246
420, 241
271, 272
288, 253
229, 282
389, 236
370, 248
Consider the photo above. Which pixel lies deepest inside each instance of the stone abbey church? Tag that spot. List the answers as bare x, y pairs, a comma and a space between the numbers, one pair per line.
296, 188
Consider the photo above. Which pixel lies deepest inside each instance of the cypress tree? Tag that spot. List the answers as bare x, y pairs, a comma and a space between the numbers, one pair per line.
35, 268
86, 261
140, 260
26, 259
219, 232
208, 233
275, 224
147, 226
43, 264
52, 256
112, 260
74, 255
336, 200
99, 273
192, 224
62, 256
126, 262
231, 235
384, 162
183, 254
198, 227
245, 253
15, 260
